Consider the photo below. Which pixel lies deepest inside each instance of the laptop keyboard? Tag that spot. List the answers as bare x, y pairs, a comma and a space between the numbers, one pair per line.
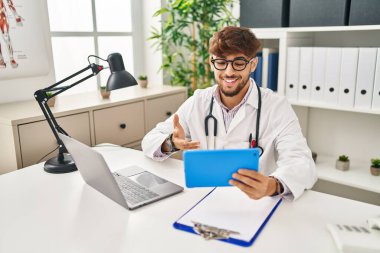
132, 191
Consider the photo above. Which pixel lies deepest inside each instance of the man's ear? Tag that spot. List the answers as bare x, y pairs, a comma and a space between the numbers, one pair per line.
253, 64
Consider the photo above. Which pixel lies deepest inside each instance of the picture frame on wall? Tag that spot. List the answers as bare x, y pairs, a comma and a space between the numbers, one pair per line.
22, 39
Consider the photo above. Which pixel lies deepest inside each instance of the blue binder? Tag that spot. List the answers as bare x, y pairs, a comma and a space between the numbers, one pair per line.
272, 71
257, 74
222, 209
211, 168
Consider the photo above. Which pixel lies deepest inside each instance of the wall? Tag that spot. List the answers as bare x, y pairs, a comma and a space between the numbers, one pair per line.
345, 133
152, 56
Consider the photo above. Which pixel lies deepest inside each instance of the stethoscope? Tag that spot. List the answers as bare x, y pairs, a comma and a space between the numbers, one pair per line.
252, 144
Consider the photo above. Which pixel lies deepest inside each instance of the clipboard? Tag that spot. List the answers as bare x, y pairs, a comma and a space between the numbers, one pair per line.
213, 168
228, 215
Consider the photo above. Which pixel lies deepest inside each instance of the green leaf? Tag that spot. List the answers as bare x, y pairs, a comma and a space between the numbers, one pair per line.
160, 12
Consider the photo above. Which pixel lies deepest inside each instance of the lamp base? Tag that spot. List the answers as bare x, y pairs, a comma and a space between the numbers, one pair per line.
58, 167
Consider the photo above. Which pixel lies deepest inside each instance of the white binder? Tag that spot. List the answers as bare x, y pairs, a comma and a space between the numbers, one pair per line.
305, 69
376, 86
333, 62
348, 77
292, 70
365, 77
318, 74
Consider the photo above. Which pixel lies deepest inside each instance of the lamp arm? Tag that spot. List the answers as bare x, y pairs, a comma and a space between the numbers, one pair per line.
71, 76
42, 98
95, 70
64, 88
53, 126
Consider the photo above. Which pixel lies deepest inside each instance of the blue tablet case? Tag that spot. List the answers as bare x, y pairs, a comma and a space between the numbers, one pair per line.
211, 168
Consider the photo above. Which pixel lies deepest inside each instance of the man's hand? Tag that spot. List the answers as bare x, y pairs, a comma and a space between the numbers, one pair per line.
179, 138
254, 184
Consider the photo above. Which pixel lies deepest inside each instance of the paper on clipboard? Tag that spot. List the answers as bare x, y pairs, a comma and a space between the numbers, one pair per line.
230, 209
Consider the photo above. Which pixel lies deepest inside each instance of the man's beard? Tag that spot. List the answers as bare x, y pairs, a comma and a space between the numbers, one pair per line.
237, 90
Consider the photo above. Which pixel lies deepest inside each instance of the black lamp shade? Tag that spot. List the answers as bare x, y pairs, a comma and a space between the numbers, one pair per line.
119, 77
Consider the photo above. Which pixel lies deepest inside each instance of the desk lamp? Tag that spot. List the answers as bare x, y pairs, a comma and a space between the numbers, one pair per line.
119, 78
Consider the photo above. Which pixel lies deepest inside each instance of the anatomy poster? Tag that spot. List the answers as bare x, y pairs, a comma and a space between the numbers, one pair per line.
23, 50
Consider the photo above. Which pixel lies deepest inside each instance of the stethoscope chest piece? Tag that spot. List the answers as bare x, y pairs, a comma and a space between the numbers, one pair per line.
212, 140
215, 123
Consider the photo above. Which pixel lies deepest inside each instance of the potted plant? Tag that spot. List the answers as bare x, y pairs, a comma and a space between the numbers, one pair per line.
143, 81
343, 163
104, 92
184, 39
51, 101
375, 166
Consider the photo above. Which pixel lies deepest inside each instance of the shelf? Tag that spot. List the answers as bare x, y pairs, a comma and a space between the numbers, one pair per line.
357, 176
317, 29
336, 107
269, 34
283, 32
322, 126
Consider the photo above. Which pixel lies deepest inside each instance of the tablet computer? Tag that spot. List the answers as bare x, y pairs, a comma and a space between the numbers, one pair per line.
211, 168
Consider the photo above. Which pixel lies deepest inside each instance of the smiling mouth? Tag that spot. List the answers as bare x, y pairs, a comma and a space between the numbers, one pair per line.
230, 81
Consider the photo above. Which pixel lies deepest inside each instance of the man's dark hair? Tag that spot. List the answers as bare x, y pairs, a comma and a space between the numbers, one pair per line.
233, 40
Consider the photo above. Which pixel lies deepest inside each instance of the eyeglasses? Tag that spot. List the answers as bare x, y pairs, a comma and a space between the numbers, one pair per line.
238, 64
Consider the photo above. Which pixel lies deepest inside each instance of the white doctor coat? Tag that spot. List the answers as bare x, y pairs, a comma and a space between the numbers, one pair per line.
286, 154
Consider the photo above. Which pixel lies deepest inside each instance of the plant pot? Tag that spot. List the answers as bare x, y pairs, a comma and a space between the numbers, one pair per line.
143, 83
340, 165
375, 171
51, 102
105, 94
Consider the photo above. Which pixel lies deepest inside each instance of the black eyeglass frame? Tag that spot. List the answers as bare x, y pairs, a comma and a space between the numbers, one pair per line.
232, 62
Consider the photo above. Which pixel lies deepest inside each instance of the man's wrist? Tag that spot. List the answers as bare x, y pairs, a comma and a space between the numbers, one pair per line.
172, 144
278, 187
272, 187
164, 147
168, 146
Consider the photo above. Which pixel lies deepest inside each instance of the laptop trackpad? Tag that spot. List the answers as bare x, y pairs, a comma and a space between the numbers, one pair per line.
148, 180
130, 171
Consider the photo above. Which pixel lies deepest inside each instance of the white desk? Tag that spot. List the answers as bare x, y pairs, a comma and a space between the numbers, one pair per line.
41, 212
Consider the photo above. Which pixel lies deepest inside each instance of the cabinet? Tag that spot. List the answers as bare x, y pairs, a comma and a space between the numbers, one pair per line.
333, 130
159, 109
120, 124
78, 125
124, 119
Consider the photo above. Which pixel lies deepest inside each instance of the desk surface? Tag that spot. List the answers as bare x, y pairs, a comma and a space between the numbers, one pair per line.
43, 212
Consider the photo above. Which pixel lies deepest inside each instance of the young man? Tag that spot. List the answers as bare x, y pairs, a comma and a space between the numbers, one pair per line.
286, 165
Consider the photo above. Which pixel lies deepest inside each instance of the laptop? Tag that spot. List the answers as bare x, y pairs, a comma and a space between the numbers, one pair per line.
131, 187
